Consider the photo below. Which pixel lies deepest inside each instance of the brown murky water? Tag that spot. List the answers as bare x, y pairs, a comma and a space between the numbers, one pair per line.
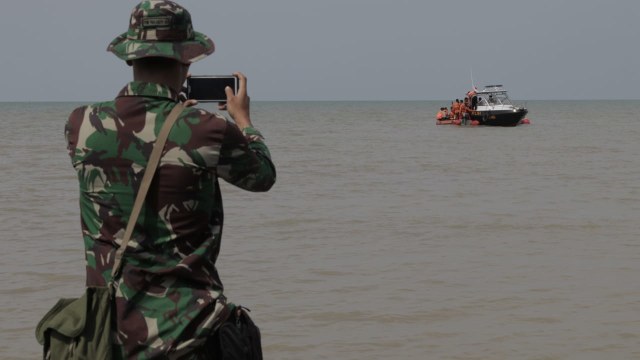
386, 236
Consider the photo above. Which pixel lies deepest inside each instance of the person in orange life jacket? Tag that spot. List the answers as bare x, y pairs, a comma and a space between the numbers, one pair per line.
464, 110
456, 109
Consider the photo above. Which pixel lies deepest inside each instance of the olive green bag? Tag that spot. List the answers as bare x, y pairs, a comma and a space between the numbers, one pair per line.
80, 328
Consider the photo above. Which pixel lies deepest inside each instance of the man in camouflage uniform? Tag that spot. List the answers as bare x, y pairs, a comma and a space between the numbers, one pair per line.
169, 297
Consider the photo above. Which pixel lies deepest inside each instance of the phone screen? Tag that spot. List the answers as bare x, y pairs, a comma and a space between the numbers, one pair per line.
210, 88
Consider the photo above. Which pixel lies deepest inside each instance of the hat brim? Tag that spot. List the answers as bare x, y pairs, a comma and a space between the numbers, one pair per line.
186, 52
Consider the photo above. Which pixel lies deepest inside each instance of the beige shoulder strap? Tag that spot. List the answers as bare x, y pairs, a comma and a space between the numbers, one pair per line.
152, 165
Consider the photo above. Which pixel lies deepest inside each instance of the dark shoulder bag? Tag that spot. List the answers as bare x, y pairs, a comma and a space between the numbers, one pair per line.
239, 337
81, 328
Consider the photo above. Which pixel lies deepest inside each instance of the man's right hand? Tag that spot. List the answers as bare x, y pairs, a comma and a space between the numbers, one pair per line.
238, 105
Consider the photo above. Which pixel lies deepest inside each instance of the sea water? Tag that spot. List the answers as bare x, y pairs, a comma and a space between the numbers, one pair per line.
386, 236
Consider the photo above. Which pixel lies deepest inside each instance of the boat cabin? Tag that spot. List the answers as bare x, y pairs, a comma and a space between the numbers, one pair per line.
492, 97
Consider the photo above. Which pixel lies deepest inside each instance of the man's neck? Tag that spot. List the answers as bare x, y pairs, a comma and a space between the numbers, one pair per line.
172, 76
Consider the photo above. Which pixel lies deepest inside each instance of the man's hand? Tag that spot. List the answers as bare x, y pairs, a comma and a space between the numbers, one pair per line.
238, 105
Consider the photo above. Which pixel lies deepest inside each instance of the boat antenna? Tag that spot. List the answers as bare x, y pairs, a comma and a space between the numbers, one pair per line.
473, 85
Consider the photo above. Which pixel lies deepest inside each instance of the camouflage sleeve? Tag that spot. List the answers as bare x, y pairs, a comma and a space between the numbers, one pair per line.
245, 160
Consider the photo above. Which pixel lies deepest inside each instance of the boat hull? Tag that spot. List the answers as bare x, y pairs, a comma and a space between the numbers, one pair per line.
499, 117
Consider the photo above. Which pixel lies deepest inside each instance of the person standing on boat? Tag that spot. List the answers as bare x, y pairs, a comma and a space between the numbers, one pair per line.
474, 102
454, 105
456, 109
471, 98
464, 109
169, 300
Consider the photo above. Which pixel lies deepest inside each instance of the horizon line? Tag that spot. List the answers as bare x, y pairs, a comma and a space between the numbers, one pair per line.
328, 100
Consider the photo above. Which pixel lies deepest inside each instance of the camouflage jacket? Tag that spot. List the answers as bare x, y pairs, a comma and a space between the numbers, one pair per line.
167, 296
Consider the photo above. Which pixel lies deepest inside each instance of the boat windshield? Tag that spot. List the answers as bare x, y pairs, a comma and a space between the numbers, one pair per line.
493, 95
493, 98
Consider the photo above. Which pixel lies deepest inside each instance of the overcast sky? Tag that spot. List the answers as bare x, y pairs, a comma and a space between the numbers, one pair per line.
342, 49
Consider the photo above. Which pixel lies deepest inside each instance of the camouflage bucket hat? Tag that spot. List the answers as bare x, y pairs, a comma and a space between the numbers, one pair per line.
161, 28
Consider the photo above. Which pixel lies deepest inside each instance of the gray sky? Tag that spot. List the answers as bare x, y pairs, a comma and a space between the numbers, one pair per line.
55, 50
